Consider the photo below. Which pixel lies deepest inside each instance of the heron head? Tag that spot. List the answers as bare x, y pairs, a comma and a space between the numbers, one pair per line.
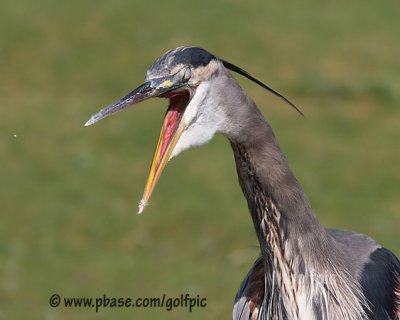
186, 76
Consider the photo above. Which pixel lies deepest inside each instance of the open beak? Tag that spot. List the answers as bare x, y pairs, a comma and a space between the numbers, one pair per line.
172, 127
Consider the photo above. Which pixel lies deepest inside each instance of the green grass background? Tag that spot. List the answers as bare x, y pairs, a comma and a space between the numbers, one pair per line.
68, 193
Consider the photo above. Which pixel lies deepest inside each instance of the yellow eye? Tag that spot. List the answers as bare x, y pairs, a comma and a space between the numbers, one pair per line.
185, 74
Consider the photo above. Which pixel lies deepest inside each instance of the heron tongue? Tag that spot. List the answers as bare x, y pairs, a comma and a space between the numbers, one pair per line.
170, 124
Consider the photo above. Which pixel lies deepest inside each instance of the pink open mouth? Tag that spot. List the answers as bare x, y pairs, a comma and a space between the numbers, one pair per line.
171, 130
177, 104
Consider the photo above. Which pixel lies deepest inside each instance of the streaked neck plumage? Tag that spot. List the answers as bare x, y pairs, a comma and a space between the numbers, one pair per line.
290, 236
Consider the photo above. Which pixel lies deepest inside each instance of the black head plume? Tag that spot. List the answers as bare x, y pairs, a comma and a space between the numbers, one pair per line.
244, 73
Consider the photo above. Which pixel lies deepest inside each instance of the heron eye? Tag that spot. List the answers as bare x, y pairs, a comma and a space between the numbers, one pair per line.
185, 74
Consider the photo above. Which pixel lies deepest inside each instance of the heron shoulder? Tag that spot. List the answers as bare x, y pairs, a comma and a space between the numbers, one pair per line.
249, 298
377, 270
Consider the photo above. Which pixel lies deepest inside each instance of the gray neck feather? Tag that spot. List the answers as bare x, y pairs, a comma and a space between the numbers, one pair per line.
291, 239
263, 171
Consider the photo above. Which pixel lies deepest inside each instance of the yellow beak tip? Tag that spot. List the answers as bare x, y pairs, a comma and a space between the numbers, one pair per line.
142, 205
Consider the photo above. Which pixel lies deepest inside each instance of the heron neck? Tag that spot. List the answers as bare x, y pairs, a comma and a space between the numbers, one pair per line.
294, 246
279, 208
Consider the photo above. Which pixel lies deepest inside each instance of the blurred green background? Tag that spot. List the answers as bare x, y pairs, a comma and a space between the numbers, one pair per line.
68, 193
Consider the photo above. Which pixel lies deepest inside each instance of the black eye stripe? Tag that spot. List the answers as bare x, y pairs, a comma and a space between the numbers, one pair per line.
187, 56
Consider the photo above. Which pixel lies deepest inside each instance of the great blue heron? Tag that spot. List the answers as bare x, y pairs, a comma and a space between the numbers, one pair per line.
305, 271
